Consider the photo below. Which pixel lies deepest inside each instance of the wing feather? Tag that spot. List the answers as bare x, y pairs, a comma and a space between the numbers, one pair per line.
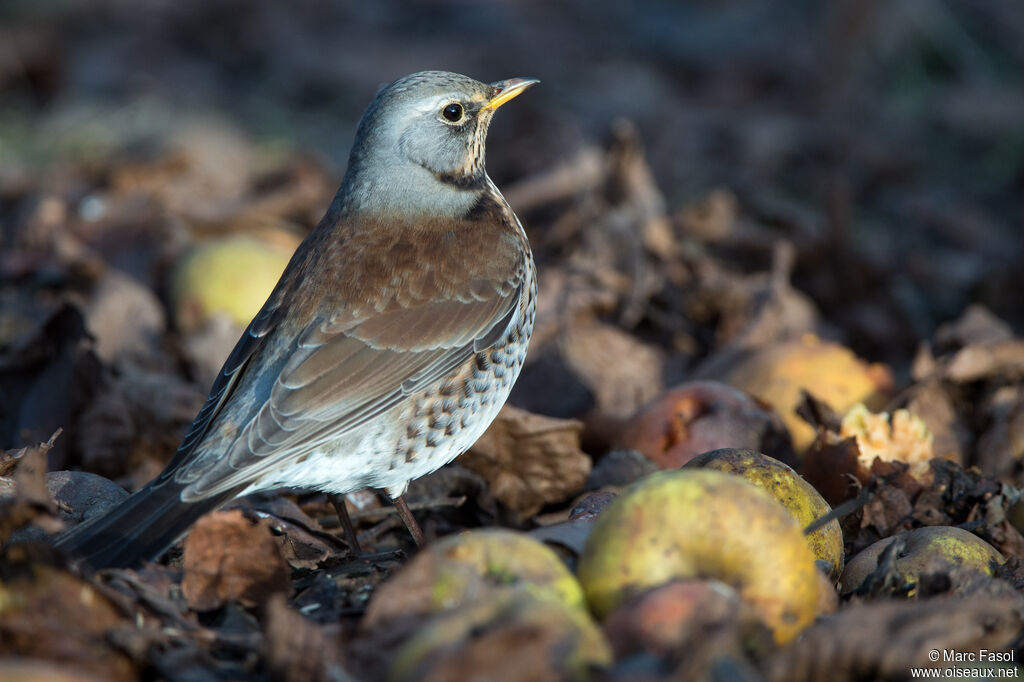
351, 377
354, 327
223, 388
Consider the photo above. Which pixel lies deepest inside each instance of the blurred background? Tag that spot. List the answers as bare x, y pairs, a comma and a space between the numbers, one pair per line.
896, 127
870, 152
735, 205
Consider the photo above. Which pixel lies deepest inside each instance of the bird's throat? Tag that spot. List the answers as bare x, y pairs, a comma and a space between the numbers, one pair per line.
420, 193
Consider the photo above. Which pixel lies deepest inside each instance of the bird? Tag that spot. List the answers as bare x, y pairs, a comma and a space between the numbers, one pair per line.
388, 345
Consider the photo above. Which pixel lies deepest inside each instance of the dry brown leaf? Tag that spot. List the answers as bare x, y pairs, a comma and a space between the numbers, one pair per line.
202, 173
134, 423
1000, 448
773, 310
974, 347
830, 469
712, 217
153, 594
27, 499
882, 641
583, 172
1001, 360
888, 511
529, 460
623, 372
929, 401
22, 670
53, 615
126, 319
297, 649
304, 543
563, 295
977, 326
229, 557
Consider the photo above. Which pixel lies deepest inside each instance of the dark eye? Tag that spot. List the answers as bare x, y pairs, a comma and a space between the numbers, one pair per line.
453, 112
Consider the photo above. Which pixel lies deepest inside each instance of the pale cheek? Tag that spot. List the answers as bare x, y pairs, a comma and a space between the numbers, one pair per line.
454, 154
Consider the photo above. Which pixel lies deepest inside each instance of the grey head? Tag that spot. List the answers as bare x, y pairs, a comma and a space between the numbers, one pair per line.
419, 147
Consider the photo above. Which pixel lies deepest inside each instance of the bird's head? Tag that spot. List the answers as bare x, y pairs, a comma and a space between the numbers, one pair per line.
421, 141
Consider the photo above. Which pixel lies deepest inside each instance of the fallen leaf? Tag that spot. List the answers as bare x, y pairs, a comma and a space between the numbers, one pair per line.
888, 511
229, 557
25, 499
304, 543
126, 319
932, 403
1000, 448
297, 649
529, 460
133, 425
882, 641
1004, 359
23, 670
711, 218
153, 593
622, 372
45, 613
976, 326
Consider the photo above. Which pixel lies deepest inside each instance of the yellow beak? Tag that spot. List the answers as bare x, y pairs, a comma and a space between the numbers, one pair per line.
506, 90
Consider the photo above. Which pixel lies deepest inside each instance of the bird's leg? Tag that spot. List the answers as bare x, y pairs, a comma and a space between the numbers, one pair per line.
338, 501
410, 520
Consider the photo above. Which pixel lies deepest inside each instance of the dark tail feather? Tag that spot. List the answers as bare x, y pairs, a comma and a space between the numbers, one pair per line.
141, 527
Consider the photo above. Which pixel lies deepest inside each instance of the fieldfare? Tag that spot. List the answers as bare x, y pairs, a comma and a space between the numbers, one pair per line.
387, 347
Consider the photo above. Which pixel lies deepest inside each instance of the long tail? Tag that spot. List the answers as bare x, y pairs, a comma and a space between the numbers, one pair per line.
142, 527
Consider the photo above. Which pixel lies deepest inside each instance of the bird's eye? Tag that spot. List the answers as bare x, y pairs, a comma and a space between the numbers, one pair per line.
453, 112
